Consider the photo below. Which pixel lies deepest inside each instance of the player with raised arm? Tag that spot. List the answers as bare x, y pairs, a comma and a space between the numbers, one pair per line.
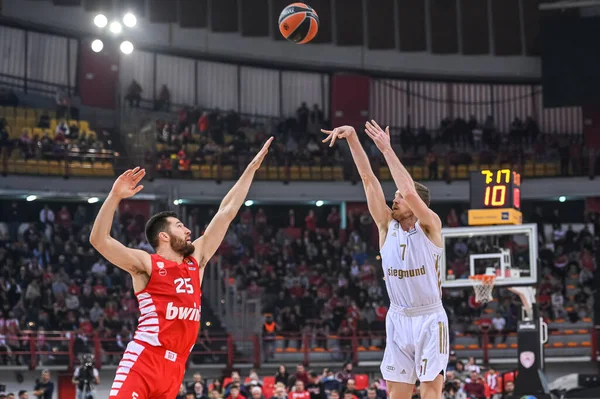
167, 285
410, 243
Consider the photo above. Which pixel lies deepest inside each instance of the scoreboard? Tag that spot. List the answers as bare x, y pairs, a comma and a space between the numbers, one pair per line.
495, 197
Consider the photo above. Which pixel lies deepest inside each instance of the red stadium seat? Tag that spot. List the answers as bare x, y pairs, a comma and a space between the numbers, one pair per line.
269, 380
226, 381
362, 381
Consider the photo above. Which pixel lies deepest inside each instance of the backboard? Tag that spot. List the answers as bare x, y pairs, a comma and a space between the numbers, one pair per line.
509, 252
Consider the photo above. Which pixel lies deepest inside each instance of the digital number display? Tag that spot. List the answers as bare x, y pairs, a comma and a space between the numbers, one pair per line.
495, 189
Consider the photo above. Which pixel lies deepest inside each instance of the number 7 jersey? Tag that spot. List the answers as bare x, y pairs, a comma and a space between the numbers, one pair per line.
170, 306
411, 267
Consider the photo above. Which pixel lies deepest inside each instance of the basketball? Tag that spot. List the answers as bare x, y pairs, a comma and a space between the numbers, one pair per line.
298, 23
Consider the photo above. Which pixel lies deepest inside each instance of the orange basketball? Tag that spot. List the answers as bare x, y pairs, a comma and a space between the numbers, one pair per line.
298, 23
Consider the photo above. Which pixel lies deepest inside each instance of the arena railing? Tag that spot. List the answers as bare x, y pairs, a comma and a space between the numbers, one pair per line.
221, 167
64, 348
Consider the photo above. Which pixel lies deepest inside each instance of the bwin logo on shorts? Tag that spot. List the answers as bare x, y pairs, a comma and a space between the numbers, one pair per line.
390, 368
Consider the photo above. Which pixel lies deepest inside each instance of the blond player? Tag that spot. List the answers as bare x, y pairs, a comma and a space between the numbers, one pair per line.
410, 244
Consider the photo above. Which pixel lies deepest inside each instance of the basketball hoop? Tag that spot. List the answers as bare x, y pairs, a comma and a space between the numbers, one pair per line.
483, 285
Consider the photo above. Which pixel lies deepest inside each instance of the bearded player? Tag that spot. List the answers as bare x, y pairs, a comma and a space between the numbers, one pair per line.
167, 285
410, 243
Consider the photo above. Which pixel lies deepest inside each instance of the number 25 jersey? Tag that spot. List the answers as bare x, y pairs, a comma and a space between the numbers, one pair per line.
170, 306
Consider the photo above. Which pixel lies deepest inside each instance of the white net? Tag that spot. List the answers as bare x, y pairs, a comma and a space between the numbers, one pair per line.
483, 285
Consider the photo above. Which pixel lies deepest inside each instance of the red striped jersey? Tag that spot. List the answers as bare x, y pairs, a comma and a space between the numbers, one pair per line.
170, 306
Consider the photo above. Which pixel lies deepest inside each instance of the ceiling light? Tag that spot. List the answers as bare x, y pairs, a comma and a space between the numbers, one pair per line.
115, 27
100, 20
97, 46
126, 47
129, 20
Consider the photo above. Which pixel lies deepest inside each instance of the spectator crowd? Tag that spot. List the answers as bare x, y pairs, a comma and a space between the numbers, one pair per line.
313, 277
209, 137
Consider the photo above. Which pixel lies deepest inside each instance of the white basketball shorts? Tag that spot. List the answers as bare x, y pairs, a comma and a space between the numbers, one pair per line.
417, 344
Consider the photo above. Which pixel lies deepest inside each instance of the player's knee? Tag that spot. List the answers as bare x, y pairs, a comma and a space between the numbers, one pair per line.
432, 389
400, 390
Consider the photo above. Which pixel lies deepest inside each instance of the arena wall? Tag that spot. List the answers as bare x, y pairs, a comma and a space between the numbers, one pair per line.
208, 191
259, 49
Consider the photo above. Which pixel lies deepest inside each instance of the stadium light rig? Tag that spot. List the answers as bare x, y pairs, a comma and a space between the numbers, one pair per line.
116, 29
31, 198
249, 203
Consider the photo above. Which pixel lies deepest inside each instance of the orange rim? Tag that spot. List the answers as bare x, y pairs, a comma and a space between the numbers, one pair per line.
484, 278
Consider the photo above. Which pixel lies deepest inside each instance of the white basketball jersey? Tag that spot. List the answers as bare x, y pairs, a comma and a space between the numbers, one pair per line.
411, 267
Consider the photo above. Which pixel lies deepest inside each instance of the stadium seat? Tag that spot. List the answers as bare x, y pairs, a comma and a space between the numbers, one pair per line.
227, 172
453, 174
282, 173
31, 167
417, 173
315, 173
384, 173
272, 173
462, 172
107, 169
195, 171
338, 173
294, 172
327, 173
362, 381
55, 168
261, 174
551, 169
269, 380
84, 126
19, 166
75, 168
305, 173
540, 169
43, 167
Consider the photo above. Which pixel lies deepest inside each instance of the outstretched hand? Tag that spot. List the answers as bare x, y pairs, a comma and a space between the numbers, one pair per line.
380, 138
342, 132
126, 185
257, 161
